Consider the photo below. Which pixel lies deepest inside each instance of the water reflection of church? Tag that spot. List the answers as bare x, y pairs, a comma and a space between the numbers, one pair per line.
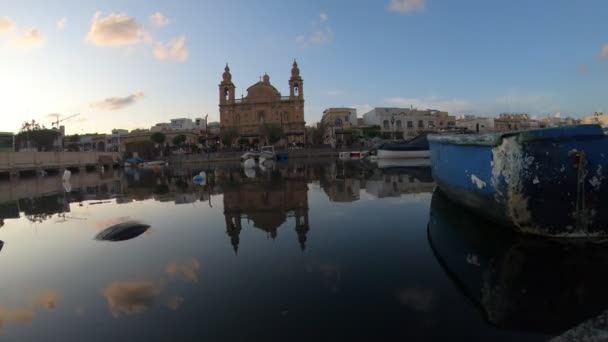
268, 201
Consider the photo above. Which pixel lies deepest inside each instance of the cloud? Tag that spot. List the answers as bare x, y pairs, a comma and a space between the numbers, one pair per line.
185, 270
449, 105
48, 299
322, 33
130, 297
604, 53
158, 19
323, 17
175, 50
406, 6
31, 38
114, 30
117, 103
62, 23
7, 25
583, 69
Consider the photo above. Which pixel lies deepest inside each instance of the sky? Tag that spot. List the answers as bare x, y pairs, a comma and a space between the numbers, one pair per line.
132, 64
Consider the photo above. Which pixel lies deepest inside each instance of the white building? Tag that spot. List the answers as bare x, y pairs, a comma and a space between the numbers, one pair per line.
399, 123
475, 124
180, 124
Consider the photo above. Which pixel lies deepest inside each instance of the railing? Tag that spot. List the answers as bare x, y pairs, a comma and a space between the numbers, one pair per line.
282, 98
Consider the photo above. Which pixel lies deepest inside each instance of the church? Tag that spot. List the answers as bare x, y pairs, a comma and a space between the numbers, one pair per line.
263, 106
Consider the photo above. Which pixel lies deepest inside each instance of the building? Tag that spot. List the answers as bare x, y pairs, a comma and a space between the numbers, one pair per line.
400, 123
514, 122
180, 124
339, 123
264, 105
557, 121
213, 128
475, 124
161, 127
596, 118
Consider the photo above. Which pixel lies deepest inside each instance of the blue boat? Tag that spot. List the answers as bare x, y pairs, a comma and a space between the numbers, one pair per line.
546, 182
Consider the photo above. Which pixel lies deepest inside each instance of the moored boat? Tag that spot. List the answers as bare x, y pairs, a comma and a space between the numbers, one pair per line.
542, 181
415, 148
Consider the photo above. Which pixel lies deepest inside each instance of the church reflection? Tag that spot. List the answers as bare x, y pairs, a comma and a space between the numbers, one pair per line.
530, 284
271, 197
268, 200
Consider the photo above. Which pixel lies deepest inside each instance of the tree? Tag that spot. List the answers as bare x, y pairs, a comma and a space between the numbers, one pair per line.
40, 138
159, 139
179, 139
317, 134
272, 132
228, 135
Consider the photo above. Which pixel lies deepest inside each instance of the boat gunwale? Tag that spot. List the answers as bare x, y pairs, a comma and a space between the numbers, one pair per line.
537, 134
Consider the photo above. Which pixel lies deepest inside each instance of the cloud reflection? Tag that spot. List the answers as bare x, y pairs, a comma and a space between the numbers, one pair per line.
418, 299
185, 270
131, 297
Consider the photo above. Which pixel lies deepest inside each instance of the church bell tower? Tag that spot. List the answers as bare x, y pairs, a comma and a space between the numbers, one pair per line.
296, 86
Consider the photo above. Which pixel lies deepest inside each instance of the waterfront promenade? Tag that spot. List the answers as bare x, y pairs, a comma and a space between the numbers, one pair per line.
17, 162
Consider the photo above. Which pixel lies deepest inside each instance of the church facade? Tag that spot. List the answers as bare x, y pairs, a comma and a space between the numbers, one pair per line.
263, 106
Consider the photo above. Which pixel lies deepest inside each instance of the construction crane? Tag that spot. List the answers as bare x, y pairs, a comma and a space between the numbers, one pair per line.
57, 121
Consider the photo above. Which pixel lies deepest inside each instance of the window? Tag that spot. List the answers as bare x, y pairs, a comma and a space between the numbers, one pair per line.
296, 89
431, 124
346, 118
410, 124
420, 124
385, 123
399, 124
226, 94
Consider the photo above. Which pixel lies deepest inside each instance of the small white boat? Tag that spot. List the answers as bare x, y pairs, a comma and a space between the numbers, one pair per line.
267, 152
403, 162
415, 148
249, 163
249, 154
153, 163
396, 154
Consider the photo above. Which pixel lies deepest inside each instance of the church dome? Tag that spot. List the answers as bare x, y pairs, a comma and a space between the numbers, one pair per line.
263, 90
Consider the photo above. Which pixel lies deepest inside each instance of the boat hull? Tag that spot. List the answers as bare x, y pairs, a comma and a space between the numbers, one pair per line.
546, 182
386, 154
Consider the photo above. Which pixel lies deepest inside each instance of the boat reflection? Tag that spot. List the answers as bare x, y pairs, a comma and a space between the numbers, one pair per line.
520, 283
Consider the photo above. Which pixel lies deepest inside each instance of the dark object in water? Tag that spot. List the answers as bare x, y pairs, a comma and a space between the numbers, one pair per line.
122, 231
548, 181
523, 283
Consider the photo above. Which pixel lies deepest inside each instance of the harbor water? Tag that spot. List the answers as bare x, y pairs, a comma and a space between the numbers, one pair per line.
292, 251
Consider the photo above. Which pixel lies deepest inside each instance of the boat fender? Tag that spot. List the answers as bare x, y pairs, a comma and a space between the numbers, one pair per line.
67, 174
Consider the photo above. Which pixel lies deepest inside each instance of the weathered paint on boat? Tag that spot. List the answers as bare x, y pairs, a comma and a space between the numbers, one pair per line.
525, 283
544, 181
